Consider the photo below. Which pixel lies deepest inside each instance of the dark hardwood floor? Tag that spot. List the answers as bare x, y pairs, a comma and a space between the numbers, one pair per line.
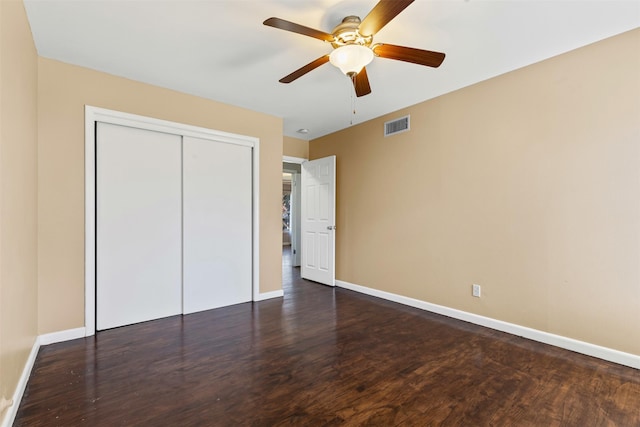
321, 356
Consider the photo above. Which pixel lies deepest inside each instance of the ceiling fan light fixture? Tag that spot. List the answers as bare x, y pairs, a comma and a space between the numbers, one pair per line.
352, 41
352, 58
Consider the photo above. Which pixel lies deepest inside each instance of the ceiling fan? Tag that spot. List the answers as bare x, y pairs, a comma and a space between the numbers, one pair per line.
352, 42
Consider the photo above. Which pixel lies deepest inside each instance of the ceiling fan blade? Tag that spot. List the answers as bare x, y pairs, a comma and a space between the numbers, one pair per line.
381, 14
361, 83
409, 54
297, 28
304, 70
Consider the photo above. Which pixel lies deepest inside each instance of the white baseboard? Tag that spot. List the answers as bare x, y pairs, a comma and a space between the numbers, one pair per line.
45, 339
60, 336
268, 295
589, 349
22, 385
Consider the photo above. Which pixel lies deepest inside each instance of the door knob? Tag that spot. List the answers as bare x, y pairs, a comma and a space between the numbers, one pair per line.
331, 227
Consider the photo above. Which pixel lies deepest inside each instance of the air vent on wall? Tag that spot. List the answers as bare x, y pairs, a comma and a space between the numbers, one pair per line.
396, 126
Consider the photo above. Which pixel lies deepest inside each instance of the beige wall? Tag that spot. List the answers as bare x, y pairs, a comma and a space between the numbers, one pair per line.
18, 194
295, 147
527, 184
63, 92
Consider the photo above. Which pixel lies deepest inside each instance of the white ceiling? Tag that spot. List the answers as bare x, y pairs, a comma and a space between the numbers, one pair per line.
219, 49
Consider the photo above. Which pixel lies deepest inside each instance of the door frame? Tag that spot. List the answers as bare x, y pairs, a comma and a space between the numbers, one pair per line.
96, 114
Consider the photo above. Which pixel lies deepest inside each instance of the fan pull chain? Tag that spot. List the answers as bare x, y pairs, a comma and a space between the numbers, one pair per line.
353, 99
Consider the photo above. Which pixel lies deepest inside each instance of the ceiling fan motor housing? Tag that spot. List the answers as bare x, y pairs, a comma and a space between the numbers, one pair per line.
346, 33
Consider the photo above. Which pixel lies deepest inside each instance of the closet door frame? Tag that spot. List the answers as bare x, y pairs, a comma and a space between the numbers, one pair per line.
94, 115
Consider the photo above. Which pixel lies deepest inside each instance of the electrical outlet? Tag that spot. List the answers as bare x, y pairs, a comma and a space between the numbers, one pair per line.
475, 290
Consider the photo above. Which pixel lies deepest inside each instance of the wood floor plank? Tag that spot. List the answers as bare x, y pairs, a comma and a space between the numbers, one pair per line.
321, 357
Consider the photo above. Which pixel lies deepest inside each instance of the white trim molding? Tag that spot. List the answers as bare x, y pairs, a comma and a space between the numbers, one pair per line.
12, 409
95, 114
295, 160
61, 336
269, 295
586, 348
45, 339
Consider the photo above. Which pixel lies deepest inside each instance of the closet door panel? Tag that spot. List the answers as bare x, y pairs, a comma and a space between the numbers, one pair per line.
217, 224
138, 225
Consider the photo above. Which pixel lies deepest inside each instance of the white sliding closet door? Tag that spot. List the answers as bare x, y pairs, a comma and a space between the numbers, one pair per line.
217, 224
138, 230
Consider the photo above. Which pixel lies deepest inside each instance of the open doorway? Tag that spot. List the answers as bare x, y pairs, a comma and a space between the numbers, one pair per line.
291, 207
286, 208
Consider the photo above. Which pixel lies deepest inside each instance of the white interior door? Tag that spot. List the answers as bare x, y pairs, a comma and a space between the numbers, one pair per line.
217, 224
318, 220
138, 225
295, 219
